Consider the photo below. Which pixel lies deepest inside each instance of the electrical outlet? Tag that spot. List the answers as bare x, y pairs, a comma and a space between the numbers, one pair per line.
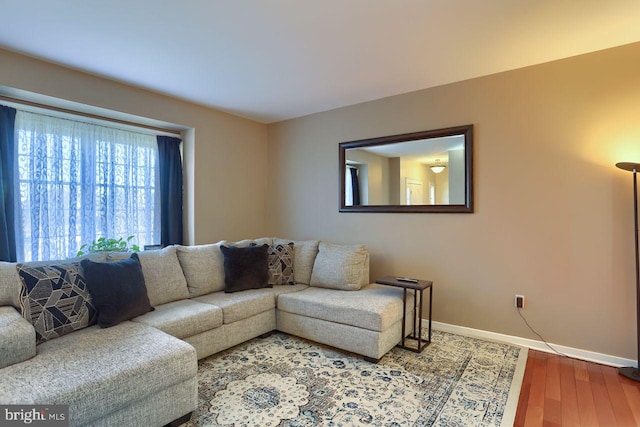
519, 301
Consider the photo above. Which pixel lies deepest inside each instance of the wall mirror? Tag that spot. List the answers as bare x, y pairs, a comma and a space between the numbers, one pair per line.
428, 171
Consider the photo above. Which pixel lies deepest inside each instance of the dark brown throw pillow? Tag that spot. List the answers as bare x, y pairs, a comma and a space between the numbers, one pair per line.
117, 289
245, 268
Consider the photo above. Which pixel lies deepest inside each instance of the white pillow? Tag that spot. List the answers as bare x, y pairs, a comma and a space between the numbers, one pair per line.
344, 267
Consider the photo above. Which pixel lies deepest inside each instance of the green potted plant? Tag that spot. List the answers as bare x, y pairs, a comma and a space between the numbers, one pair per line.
103, 244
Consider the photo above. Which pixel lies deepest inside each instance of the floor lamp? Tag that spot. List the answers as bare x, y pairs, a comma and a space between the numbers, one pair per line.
629, 371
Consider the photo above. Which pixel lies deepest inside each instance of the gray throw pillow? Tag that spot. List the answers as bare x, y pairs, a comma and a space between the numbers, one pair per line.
344, 267
163, 276
203, 267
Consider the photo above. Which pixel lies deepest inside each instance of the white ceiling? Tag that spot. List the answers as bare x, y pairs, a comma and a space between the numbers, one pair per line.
271, 60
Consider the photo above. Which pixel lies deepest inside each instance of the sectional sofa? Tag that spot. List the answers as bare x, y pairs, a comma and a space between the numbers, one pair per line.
143, 371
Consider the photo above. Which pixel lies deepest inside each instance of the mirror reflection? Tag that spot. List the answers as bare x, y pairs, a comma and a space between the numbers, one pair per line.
426, 171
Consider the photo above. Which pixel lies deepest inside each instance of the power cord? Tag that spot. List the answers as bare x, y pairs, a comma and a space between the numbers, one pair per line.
540, 336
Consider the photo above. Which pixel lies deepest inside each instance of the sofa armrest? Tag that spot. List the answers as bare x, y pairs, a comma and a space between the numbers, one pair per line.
17, 337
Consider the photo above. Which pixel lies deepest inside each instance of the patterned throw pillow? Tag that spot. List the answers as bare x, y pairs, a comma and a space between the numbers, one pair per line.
281, 264
55, 299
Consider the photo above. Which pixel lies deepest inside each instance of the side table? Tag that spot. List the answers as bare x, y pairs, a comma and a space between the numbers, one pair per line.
418, 287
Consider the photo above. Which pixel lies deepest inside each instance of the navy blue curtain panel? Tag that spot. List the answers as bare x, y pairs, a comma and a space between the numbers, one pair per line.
355, 186
7, 189
170, 191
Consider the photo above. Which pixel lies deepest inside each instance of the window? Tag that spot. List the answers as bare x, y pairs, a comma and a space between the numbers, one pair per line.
80, 181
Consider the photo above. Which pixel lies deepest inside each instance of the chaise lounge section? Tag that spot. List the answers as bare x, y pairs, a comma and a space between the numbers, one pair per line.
367, 322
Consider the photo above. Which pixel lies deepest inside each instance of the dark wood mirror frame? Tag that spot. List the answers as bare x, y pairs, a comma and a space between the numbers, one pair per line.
467, 207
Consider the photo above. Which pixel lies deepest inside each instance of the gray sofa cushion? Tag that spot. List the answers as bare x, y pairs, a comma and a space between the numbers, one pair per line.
100, 371
163, 276
285, 289
9, 285
183, 318
203, 267
17, 338
375, 307
240, 305
344, 267
305, 252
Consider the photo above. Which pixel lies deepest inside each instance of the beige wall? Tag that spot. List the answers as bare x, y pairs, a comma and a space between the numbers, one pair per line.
553, 216
228, 160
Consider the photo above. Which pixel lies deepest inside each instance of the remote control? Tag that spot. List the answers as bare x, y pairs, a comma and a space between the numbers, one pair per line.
406, 279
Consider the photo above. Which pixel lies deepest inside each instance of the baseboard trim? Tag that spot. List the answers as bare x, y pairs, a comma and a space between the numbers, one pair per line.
589, 356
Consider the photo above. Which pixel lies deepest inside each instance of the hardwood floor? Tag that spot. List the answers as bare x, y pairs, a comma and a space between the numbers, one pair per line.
559, 391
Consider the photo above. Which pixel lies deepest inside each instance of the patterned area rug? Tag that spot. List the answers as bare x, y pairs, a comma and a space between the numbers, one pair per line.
286, 381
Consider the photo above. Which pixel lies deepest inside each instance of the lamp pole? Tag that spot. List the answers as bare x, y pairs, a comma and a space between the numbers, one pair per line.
629, 371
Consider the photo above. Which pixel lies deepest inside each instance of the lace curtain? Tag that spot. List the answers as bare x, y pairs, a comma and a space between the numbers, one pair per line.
79, 181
